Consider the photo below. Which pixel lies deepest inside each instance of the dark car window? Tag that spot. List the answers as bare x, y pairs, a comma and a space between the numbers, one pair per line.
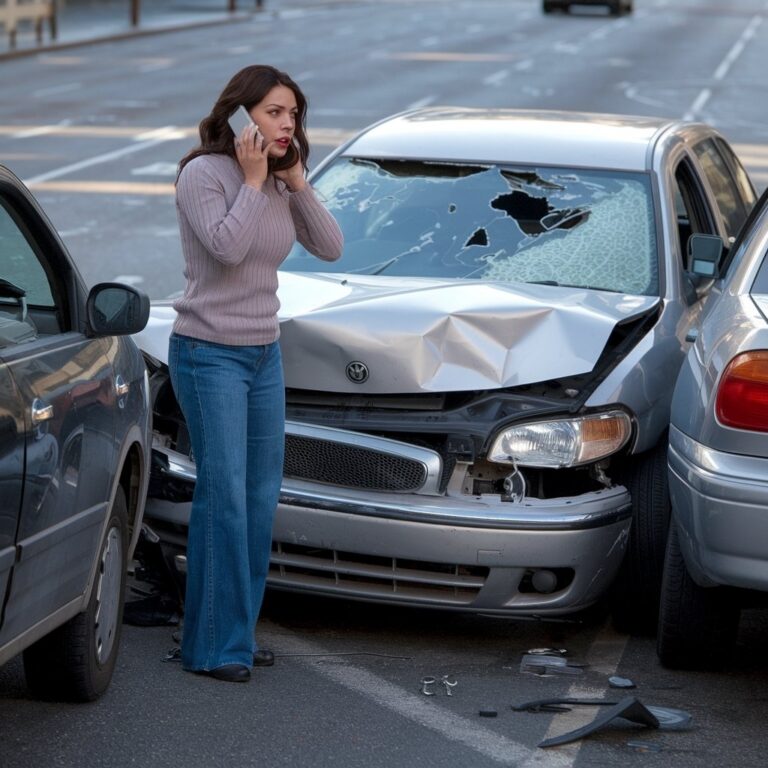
26, 296
729, 196
583, 228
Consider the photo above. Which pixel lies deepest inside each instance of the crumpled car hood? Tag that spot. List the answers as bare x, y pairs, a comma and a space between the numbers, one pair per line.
418, 335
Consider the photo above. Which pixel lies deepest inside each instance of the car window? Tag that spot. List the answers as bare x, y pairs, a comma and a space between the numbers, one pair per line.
743, 182
727, 194
583, 228
25, 290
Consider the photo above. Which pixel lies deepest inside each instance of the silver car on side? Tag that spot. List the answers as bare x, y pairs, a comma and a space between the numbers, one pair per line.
478, 392
717, 554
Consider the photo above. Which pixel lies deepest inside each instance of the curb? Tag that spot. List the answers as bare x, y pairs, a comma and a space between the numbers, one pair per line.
162, 29
126, 35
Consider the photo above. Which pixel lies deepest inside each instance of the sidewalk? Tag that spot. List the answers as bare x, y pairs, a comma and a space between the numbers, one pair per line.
87, 21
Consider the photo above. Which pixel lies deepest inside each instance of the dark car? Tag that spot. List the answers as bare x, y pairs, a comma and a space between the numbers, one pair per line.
616, 7
75, 441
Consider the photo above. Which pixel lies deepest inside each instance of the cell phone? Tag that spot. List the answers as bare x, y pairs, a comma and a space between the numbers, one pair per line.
239, 119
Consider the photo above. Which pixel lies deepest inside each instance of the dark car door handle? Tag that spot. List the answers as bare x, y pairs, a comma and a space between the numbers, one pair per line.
120, 386
40, 411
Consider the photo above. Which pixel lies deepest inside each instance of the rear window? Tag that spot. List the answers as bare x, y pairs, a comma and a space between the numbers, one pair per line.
582, 228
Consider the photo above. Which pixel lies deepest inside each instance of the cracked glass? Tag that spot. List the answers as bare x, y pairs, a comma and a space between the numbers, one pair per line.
585, 228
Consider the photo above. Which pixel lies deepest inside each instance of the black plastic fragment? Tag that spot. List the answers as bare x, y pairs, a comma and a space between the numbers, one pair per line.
631, 709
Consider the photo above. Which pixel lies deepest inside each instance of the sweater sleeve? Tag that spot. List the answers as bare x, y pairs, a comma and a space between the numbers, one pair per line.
316, 229
227, 234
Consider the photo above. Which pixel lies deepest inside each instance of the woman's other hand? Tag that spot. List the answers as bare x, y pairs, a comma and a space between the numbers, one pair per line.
293, 177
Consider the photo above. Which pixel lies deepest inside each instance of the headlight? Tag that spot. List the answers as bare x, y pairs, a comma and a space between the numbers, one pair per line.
562, 443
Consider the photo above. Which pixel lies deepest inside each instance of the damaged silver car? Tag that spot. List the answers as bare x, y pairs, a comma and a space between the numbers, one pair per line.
478, 391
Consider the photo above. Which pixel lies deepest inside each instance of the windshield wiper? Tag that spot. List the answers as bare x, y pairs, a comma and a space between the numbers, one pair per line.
573, 285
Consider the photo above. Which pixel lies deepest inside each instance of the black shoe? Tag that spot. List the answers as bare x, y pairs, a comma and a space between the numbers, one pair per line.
263, 658
229, 673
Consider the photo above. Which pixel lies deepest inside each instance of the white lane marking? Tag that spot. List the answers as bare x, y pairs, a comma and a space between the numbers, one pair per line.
698, 105
725, 65
411, 706
156, 169
150, 139
65, 88
604, 657
496, 78
738, 48
40, 130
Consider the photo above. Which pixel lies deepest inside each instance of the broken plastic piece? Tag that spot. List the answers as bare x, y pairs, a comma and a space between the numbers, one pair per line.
547, 651
173, 655
671, 718
620, 682
543, 664
556, 705
630, 708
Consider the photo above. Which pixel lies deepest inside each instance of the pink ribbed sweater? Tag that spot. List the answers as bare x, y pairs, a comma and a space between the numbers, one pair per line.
234, 238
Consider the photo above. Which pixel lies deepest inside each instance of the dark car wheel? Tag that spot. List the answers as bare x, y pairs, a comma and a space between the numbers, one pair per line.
697, 625
548, 6
638, 583
75, 662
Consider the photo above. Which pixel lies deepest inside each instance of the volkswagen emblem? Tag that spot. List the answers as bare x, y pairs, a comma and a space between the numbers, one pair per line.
357, 372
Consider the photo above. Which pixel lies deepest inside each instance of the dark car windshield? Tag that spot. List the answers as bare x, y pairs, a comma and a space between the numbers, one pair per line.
583, 228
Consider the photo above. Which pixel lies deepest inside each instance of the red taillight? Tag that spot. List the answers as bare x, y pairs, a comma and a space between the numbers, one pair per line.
742, 397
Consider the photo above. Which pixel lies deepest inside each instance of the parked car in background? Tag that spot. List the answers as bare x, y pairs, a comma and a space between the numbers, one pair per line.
75, 436
615, 7
717, 553
478, 391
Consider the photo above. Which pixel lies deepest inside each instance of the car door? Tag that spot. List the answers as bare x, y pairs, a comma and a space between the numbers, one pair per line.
62, 402
11, 474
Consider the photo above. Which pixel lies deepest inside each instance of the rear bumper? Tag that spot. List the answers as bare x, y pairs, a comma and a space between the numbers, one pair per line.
720, 503
463, 552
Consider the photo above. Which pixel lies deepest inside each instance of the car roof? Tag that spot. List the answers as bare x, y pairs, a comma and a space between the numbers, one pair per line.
531, 137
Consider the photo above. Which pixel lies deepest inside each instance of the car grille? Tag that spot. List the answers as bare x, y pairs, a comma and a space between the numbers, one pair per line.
350, 466
372, 577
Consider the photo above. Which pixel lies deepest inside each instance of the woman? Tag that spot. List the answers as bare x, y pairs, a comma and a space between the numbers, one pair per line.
241, 202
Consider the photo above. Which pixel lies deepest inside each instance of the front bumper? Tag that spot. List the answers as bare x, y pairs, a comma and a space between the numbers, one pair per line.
470, 553
720, 504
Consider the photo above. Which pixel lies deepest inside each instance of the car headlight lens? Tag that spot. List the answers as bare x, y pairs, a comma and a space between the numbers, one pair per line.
562, 443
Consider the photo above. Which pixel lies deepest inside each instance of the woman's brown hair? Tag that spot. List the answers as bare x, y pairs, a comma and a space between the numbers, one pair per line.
249, 87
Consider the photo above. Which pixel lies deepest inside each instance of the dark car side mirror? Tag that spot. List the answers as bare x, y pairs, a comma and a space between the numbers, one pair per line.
704, 255
115, 309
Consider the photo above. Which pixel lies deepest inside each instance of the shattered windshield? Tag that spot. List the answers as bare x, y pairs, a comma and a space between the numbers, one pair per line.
582, 228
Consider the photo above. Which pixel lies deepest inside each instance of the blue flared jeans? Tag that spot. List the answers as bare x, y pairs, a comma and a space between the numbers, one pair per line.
233, 400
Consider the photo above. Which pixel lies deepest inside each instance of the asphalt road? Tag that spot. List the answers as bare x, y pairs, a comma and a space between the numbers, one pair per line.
97, 131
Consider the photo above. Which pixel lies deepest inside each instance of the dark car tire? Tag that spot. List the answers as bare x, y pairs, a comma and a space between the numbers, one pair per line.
75, 662
549, 6
697, 625
638, 584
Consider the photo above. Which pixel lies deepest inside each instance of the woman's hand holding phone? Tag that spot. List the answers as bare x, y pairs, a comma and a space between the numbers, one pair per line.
252, 153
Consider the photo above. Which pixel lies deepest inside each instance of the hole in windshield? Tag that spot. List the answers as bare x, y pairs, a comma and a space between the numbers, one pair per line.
555, 226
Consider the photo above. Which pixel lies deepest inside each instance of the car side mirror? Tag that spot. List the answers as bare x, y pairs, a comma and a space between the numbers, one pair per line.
704, 254
116, 309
